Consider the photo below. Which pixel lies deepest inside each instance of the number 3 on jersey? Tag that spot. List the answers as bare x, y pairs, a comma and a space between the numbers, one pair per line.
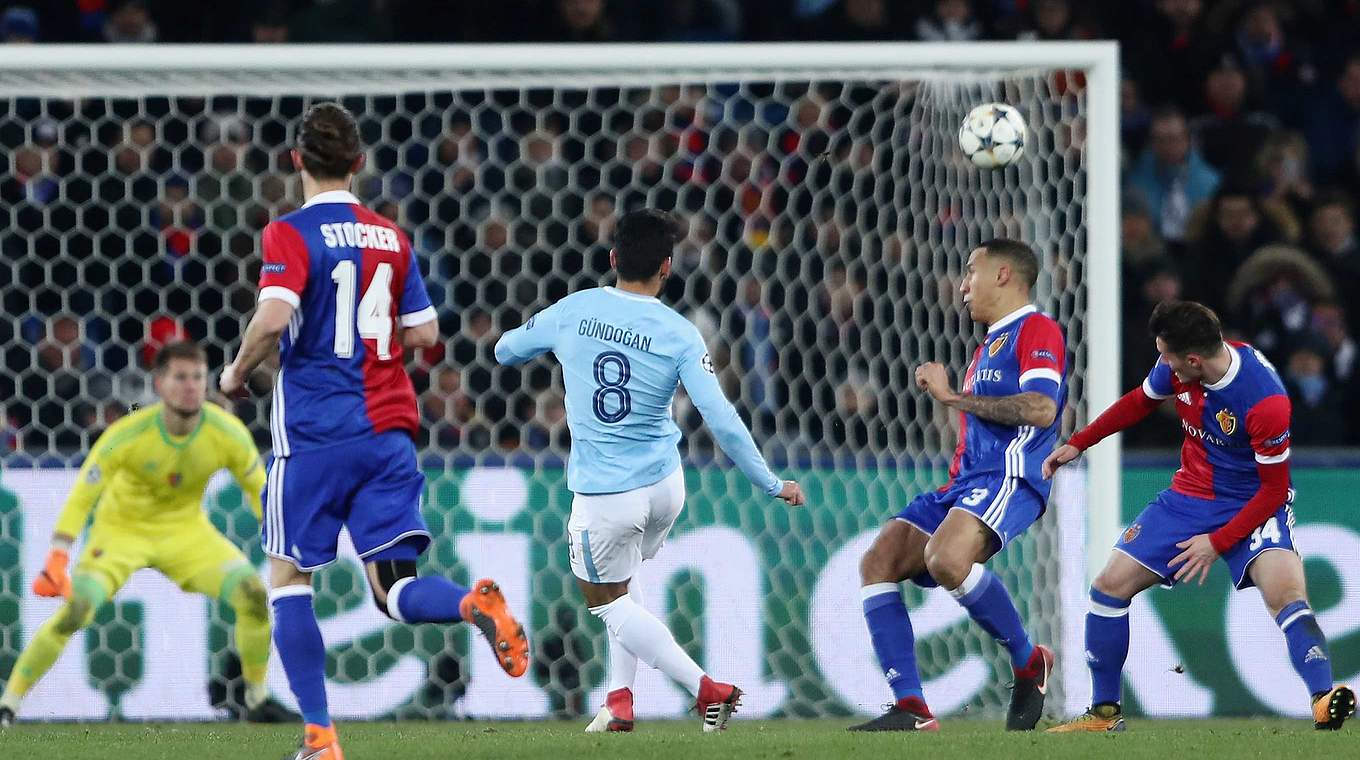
1270, 531
375, 309
612, 372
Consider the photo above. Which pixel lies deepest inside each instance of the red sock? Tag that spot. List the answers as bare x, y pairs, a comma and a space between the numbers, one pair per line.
914, 705
1033, 668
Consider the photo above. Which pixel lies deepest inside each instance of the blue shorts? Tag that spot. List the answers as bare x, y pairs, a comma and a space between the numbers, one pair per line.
1173, 517
1008, 506
372, 486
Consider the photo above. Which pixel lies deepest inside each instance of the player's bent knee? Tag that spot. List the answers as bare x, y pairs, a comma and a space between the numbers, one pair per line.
73, 615
86, 597
949, 569
387, 576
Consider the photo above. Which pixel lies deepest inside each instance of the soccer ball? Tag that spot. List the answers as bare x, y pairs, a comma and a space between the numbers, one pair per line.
993, 135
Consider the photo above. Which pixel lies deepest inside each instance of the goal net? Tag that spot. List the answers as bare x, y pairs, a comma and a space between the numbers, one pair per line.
829, 215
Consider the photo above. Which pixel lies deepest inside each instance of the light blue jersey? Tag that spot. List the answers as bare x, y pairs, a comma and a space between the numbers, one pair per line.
622, 355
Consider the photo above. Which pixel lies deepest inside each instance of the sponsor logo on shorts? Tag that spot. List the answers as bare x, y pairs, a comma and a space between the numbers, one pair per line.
1227, 421
1132, 533
995, 346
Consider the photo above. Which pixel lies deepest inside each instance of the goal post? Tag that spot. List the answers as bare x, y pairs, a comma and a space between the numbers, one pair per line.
829, 214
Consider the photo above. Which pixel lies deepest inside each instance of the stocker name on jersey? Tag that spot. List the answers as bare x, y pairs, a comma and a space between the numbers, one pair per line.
1220, 427
993, 372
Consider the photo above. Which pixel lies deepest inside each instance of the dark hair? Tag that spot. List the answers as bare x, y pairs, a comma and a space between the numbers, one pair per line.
328, 141
642, 240
180, 349
1167, 112
1187, 327
1022, 259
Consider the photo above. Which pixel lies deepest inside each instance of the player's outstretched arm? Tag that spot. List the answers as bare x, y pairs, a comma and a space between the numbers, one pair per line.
262, 335
696, 373
531, 339
1025, 408
1059, 457
99, 465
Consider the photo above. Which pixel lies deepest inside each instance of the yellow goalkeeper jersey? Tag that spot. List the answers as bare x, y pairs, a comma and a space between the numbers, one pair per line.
141, 476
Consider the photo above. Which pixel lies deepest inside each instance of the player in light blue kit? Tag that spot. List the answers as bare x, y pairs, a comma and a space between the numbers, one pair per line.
623, 353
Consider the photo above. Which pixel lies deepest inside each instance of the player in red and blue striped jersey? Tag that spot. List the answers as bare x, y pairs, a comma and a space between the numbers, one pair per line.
1009, 411
341, 297
1231, 498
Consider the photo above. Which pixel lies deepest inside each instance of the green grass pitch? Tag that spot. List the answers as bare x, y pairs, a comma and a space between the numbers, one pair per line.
814, 740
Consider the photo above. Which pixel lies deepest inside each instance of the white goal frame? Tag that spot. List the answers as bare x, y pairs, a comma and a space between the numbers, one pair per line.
43, 71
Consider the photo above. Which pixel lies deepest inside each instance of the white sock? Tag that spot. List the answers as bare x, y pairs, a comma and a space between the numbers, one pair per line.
647, 638
623, 664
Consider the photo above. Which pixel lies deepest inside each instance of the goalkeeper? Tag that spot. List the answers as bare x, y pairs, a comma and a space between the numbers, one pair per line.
144, 478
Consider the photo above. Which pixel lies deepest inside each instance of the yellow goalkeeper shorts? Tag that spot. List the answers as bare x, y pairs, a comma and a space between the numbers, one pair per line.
195, 556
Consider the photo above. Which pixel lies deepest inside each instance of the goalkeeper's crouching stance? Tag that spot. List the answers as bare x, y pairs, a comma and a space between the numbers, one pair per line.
144, 480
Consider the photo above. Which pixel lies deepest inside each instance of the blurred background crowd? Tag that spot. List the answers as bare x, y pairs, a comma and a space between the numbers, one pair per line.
129, 226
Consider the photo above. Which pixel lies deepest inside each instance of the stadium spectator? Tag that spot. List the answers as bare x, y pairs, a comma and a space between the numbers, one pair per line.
1281, 170
270, 29
1319, 404
1171, 52
1056, 20
1329, 323
581, 21
1134, 118
1230, 228
947, 21
35, 171
1333, 128
1232, 129
853, 20
129, 21
1276, 67
19, 24
1333, 243
1271, 296
1171, 175
700, 21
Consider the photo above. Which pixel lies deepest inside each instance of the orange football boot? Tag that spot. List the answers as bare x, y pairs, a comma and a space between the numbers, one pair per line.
1332, 709
319, 743
485, 607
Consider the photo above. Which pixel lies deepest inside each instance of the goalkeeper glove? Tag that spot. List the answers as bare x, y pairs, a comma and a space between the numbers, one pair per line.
53, 580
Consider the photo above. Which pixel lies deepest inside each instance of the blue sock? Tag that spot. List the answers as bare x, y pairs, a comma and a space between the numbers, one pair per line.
986, 599
1307, 646
297, 638
432, 599
1107, 645
890, 628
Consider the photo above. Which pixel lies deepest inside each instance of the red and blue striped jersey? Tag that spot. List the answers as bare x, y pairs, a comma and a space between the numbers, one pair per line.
1230, 425
1023, 351
352, 279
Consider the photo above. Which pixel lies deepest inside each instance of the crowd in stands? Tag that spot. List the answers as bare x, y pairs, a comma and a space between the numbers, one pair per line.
1240, 146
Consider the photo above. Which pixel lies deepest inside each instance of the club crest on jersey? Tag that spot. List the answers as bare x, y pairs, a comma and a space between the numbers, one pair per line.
174, 479
995, 346
1227, 421
1132, 533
